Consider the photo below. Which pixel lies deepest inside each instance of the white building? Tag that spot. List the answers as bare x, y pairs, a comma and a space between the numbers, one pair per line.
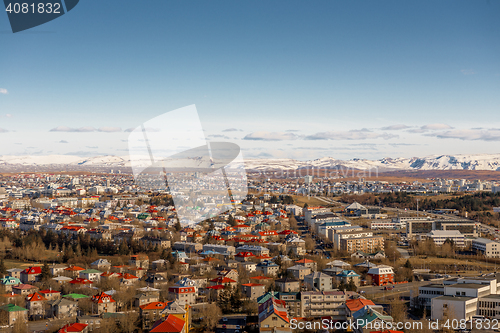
440, 236
487, 247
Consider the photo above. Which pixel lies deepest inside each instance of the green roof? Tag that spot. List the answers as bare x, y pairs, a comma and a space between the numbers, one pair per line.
12, 308
76, 296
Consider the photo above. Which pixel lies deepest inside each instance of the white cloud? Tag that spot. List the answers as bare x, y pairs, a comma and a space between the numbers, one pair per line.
3, 91
430, 127
270, 136
395, 127
86, 129
8, 115
232, 130
109, 129
362, 134
468, 71
492, 134
3, 130
434, 127
69, 129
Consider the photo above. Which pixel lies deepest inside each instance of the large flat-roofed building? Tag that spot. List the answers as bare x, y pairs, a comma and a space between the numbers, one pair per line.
320, 304
365, 244
440, 236
358, 232
467, 228
489, 306
486, 247
453, 307
332, 232
428, 292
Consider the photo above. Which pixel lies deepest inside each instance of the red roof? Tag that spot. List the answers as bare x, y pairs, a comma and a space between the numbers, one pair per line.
36, 297
260, 278
170, 325
355, 304
74, 268
245, 254
153, 306
252, 284
80, 281
102, 298
305, 261
222, 279
217, 287
76, 327
49, 291
33, 270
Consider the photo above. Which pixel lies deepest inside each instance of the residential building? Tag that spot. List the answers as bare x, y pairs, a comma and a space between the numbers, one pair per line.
318, 281
381, 275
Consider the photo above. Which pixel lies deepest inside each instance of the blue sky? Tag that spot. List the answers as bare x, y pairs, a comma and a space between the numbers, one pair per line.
296, 79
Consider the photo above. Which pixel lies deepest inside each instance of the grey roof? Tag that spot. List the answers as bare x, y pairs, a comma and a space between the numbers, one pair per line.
454, 298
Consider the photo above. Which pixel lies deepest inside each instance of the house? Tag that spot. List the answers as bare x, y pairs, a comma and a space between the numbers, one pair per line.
15, 272
50, 294
24, 289
244, 256
128, 279
318, 281
156, 280
250, 267
182, 294
147, 296
10, 314
63, 308
57, 269
150, 313
353, 305
299, 271
307, 263
222, 280
90, 274
288, 285
273, 313
268, 268
171, 324
73, 270
35, 303
381, 275
74, 328
139, 261
346, 276
30, 274
104, 303
101, 264
253, 290
154, 242
8, 282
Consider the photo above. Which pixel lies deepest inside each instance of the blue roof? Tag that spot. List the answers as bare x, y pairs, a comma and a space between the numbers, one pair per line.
348, 273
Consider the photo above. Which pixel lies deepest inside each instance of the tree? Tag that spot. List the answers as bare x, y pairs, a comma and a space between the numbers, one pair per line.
3, 269
129, 322
351, 286
45, 275
209, 316
408, 264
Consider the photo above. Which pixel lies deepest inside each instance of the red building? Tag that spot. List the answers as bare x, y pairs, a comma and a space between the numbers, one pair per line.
381, 275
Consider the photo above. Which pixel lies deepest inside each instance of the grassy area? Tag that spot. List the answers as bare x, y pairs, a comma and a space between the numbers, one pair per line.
10, 263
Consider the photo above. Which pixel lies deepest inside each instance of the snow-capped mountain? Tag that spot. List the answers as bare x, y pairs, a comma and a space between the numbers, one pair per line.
489, 162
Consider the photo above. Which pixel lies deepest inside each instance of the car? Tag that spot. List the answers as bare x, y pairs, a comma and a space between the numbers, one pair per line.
388, 288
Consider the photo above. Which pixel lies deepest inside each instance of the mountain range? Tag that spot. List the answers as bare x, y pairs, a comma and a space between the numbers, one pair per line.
489, 162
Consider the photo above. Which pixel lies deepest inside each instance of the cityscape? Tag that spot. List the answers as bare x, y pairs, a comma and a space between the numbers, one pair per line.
250, 166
